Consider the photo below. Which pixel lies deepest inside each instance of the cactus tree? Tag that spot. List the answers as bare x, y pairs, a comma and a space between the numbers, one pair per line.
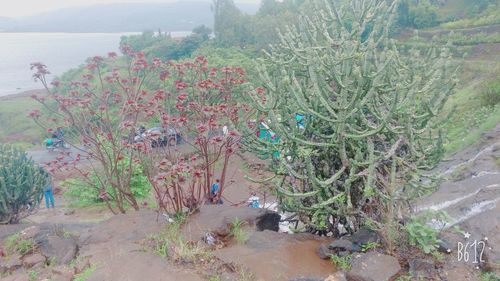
368, 114
21, 184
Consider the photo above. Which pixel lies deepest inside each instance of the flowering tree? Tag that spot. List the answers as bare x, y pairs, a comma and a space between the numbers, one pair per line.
102, 112
201, 105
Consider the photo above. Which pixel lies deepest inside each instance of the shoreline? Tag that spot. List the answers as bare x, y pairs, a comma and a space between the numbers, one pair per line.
22, 94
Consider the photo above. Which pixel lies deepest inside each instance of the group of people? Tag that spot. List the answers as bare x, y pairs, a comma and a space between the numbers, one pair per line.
252, 202
57, 139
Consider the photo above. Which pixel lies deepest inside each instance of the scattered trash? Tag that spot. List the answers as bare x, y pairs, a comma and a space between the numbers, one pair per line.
209, 239
168, 219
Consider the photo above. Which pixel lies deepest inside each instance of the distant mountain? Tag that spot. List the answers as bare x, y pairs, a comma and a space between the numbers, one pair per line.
6, 23
124, 17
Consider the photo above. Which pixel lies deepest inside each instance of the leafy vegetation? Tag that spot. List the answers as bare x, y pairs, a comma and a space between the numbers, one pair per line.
171, 244
367, 129
17, 244
164, 46
423, 230
238, 232
20, 132
85, 274
21, 184
343, 263
81, 194
489, 276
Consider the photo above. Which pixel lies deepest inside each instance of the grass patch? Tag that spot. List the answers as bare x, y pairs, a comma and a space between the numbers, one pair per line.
85, 274
489, 276
32, 275
21, 130
170, 244
17, 244
343, 263
237, 231
470, 116
470, 131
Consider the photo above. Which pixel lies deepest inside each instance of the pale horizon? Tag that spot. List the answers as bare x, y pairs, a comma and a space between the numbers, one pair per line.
23, 8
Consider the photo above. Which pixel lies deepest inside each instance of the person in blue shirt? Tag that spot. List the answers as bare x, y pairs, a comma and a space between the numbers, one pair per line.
214, 192
253, 201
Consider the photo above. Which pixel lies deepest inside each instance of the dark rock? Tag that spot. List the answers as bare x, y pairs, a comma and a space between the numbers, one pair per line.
341, 245
444, 246
69, 212
373, 267
10, 264
324, 252
422, 268
63, 250
343, 253
363, 237
34, 260
268, 221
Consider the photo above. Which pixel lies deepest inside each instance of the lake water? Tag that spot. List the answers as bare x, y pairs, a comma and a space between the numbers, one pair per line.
59, 51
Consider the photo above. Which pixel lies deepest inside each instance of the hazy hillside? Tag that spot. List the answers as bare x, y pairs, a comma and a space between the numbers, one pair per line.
180, 16
6, 23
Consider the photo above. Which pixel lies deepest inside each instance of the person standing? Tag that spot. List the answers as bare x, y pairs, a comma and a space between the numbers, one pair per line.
48, 189
214, 193
253, 201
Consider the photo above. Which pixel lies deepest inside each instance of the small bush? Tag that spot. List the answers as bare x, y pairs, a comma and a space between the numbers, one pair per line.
343, 263
490, 94
85, 193
169, 243
85, 274
238, 232
423, 230
489, 276
16, 244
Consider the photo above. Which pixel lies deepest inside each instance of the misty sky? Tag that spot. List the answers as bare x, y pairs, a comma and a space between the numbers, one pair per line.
19, 8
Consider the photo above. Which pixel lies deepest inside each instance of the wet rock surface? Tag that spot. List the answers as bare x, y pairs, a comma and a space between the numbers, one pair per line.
373, 266
471, 196
59, 249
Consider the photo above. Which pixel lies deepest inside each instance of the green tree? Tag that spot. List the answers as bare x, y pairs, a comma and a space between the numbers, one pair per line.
424, 14
355, 117
231, 26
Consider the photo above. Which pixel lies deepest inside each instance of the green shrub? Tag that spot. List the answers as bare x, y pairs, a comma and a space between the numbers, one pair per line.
85, 193
343, 263
21, 184
17, 244
489, 276
424, 235
490, 94
238, 232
